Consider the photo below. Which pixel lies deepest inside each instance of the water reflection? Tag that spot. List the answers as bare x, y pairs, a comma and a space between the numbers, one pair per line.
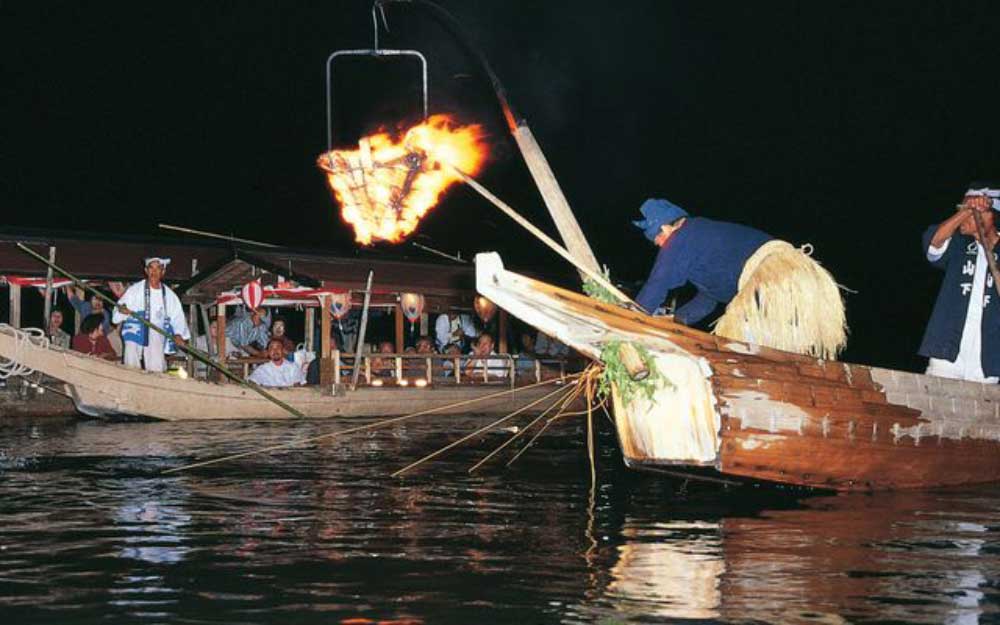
90, 530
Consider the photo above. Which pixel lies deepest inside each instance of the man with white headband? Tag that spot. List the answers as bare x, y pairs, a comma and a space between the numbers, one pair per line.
962, 339
157, 304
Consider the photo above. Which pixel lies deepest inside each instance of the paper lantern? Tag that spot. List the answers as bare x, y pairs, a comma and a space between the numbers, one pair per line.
340, 304
485, 308
253, 294
412, 305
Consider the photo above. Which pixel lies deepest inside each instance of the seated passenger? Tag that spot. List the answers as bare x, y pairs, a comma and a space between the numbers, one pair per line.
278, 332
425, 345
91, 339
57, 336
250, 332
449, 365
453, 328
86, 307
277, 371
385, 367
479, 361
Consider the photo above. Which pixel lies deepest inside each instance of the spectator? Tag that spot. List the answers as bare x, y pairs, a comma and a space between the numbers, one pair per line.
278, 332
425, 345
91, 339
277, 371
250, 333
86, 307
480, 363
384, 366
453, 328
57, 336
547, 346
449, 365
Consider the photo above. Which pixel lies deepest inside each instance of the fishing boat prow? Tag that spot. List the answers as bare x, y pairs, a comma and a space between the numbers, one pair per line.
764, 414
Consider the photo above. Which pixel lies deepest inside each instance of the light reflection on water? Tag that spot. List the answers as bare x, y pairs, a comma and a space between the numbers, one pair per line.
91, 531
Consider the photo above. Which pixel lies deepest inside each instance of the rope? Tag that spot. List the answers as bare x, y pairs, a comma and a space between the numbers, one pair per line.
29, 337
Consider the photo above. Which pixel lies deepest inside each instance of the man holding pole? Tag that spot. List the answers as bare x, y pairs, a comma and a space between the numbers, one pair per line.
775, 294
158, 304
962, 339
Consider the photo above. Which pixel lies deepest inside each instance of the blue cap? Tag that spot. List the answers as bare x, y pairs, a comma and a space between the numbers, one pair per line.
657, 213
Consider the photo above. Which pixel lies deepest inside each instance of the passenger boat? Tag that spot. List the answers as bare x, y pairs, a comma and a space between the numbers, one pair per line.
759, 413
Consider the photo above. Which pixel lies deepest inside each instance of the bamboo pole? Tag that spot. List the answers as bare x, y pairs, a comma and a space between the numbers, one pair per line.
48, 287
990, 260
213, 235
185, 348
361, 334
541, 236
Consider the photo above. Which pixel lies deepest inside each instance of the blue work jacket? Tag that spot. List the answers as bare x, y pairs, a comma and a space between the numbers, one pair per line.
943, 335
710, 255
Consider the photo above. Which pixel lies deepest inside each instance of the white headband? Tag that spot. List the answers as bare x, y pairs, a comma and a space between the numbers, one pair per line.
162, 261
993, 194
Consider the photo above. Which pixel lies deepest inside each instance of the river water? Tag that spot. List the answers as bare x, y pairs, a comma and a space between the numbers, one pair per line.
91, 531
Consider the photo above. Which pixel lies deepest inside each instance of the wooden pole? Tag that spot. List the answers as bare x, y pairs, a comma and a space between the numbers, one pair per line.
990, 260
310, 338
220, 334
15, 306
325, 364
400, 329
555, 200
48, 286
361, 335
193, 325
502, 331
212, 348
544, 238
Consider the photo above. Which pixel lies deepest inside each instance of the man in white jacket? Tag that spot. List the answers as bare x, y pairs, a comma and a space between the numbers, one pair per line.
157, 304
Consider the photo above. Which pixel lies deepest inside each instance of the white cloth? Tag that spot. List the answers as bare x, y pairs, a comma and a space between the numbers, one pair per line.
446, 329
496, 367
284, 374
134, 299
968, 365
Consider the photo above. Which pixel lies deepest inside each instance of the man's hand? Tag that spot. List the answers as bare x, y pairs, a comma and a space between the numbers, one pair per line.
123, 309
980, 203
180, 340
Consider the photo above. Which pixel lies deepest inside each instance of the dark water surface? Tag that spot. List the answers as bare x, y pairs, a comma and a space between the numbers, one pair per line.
90, 531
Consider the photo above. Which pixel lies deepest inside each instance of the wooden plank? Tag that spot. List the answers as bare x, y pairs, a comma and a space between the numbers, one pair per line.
326, 368
220, 338
15, 306
400, 328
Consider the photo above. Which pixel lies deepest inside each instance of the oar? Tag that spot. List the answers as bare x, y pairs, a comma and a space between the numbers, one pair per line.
195, 353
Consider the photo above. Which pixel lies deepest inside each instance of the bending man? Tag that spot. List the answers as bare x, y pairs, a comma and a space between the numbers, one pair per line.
776, 295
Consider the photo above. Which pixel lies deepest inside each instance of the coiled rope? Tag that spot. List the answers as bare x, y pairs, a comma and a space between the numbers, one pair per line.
26, 338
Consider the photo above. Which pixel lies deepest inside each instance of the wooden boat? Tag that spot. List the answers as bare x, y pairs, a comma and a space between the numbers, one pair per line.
101, 388
769, 415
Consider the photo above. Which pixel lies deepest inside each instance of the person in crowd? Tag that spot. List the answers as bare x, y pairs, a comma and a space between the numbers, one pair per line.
453, 328
278, 328
57, 336
312, 369
962, 339
526, 357
202, 343
775, 294
385, 367
550, 347
425, 345
479, 361
277, 371
157, 303
86, 306
454, 351
91, 339
250, 332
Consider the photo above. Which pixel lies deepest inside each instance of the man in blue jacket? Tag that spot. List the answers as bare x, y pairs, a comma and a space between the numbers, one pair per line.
776, 295
962, 339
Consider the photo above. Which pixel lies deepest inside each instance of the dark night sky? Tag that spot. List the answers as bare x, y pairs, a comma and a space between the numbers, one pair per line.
851, 125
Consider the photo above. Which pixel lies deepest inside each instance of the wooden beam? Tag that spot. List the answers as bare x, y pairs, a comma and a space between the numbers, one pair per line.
15, 306
48, 285
310, 338
400, 328
193, 327
555, 201
220, 338
502, 331
326, 373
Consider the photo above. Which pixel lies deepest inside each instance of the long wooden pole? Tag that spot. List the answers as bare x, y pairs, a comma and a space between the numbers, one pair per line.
544, 238
990, 260
48, 287
213, 235
185, 348
361, 332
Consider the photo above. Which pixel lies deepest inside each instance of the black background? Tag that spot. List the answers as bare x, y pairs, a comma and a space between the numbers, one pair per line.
852, 125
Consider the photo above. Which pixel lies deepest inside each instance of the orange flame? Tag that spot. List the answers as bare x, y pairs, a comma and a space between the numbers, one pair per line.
387, 185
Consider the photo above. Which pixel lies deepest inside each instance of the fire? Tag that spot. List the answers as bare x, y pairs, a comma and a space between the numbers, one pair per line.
386, 185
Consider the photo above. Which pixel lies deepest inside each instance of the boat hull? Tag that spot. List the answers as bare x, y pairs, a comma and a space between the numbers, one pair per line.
765, 414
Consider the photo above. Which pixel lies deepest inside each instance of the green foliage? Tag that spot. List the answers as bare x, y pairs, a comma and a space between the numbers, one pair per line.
616, 373
598, 292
